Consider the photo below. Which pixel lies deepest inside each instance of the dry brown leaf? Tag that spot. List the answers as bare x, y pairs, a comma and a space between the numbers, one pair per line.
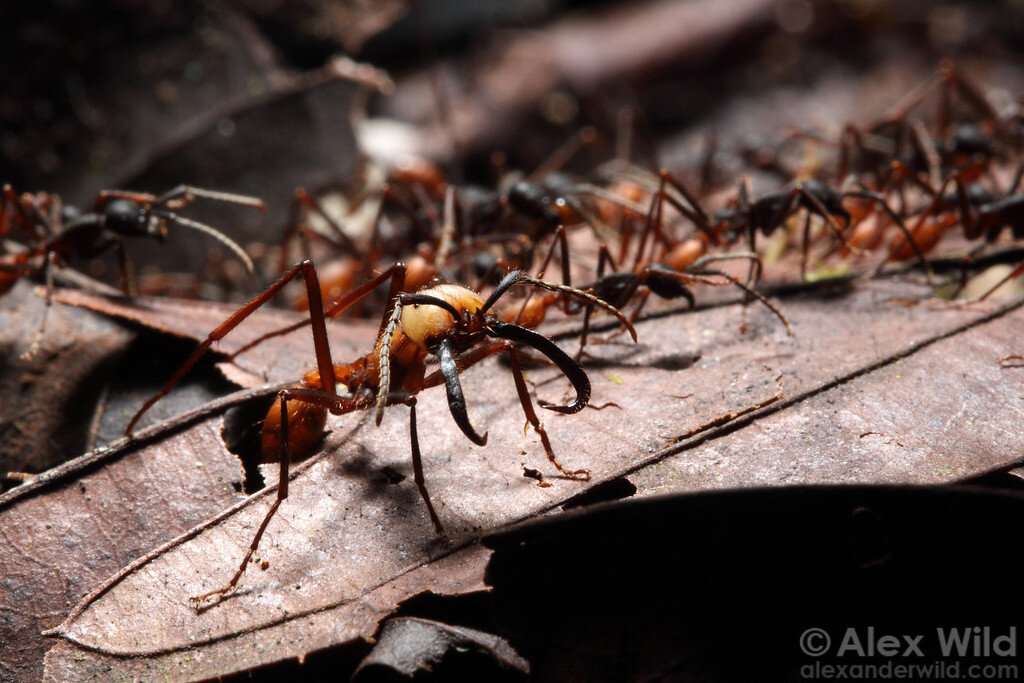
47, 401
347, 545
59, 543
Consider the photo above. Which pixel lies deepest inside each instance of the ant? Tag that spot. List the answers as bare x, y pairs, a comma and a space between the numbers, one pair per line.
682, 267
339, 274
988, 220
116, 215
769, 212
450, 322
982, 213
896, 136
765, 215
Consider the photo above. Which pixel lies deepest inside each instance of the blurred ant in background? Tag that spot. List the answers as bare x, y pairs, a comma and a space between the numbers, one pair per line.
56, 232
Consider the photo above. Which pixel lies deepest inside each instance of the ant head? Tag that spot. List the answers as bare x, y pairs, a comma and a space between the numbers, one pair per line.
434, 314
132, 219
969, 141
531, 200
729, 224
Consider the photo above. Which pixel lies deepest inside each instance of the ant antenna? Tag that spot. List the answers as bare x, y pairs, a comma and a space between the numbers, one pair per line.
384, 358
519, 277
212, 232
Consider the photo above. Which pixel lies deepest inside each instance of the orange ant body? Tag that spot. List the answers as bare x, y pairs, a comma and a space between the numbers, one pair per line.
448, 321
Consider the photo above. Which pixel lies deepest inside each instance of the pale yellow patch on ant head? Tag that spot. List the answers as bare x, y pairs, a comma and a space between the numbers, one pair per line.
423, 322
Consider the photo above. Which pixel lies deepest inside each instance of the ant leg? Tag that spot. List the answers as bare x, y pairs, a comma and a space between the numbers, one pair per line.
695, 214
321, 399
707, 162
1009, 276
966, 213
531, 417
586, 136
704, 278
129, 284
805, 241
284, 457
635, 315
48, 267
898, 170
291, 230
695, 211
559, 239
1017, 177
926, 144
345, 243
848, 138
756, 266
444, 246
320, 343
898, 112
417, 466
651, 226
744, 209
829, 219
968, 92
880, 201
422, 228
35, 220
397, 275
604, 258
396, 397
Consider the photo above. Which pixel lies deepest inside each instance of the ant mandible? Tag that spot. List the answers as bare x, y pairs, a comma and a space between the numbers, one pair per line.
116, 214
448, 321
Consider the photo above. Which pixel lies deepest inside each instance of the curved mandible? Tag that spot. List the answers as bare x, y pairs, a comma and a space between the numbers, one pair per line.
570, 368
456, 399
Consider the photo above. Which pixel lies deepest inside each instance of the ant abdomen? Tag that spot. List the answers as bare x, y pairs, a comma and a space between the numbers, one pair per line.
306, 424
685, 254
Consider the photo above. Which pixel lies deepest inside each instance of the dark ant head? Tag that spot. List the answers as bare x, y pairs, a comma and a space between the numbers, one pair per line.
729, 223
829, 198
970, 141
661, 281
481, 208
532, 201
977, 195
132, 219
